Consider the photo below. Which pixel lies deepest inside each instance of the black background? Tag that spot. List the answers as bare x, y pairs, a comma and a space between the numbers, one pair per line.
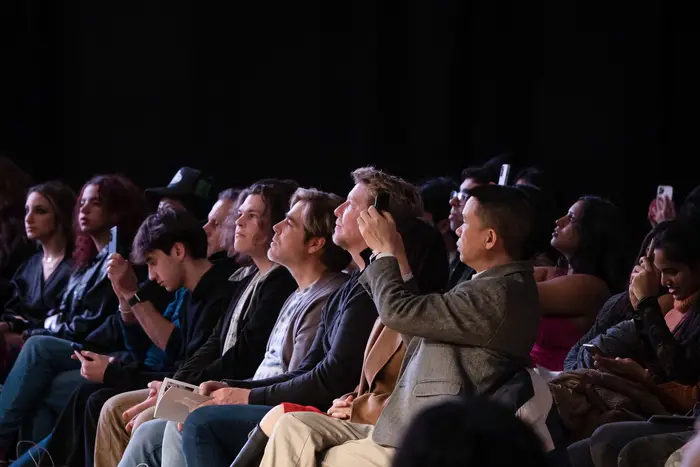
603, 95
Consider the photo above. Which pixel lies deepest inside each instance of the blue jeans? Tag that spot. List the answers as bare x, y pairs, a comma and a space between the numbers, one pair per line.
36, 390
214, 435
145, 445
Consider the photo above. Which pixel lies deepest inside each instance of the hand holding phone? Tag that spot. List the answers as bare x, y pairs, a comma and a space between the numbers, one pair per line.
503, 177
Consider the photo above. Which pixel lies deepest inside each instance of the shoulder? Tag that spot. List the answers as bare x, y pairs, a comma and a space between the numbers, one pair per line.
588, 282
543, 273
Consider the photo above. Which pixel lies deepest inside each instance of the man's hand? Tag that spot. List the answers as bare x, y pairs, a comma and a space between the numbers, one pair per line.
379, 231
93, 365
130, 415
625, 367
342, 408
122, 276
226, 396
208, 387
647, 282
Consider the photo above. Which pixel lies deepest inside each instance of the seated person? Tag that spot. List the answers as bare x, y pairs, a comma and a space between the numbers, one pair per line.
173, 245
39, 283
14, 246
215, 228
433, 193
617, 309
467, 341
589, 237
86, 304
190, 190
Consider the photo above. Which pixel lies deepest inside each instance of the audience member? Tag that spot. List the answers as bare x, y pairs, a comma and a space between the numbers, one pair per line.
214, 228
14, 247
471, 178
590, 238
39, 282
190, 189
333, 365
473, 432
434, 192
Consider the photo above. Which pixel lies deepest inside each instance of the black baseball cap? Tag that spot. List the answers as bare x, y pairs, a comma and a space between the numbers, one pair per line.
187, 183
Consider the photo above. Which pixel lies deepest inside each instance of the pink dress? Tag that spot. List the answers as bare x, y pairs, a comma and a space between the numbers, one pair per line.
555, 338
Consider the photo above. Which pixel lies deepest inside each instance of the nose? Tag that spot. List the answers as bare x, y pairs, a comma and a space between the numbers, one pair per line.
29, 218
459, 230
276, 228
239, 221
84, 209
561, 222
340, 209
208, 228
454, 202
152, 274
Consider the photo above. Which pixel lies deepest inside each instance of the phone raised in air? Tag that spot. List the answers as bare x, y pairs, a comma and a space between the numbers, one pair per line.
381, 202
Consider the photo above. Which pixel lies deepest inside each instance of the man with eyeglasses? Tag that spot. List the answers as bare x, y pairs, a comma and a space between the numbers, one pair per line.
471, 177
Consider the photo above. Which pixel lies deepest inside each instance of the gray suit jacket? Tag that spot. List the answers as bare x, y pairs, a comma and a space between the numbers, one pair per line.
468, 341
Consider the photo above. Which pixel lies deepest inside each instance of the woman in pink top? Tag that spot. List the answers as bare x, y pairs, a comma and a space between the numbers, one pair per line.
590, 239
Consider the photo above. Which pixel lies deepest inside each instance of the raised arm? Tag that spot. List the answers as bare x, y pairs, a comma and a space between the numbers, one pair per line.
466, 315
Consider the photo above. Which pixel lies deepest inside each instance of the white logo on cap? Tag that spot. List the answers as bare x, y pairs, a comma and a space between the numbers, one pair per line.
176, 178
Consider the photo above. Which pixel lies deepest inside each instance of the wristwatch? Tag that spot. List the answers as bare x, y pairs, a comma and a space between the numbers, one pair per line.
135, 300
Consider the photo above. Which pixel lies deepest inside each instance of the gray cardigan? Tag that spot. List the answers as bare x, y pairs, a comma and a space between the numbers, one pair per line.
467, 341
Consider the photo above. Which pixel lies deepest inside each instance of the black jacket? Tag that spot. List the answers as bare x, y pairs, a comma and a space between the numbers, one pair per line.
33, 297
254, 328
86, 303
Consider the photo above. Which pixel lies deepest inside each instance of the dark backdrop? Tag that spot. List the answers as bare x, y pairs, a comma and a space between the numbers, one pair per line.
602, 95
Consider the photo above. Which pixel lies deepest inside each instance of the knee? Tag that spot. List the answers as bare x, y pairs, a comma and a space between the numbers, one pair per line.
604, 433
200, 419
267, 424
634, 453
294, 422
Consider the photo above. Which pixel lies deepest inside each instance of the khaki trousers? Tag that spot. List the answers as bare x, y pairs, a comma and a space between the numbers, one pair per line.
299, 436
112, 437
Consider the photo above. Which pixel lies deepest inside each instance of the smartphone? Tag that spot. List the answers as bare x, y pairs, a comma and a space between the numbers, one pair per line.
503, 177
664, 191
77, 347
592, 349
112, 246
381, 202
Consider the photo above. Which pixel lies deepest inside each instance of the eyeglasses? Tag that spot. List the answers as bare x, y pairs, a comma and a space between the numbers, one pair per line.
460, 196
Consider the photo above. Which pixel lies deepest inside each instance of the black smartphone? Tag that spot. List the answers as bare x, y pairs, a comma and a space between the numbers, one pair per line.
381, 202
77, 347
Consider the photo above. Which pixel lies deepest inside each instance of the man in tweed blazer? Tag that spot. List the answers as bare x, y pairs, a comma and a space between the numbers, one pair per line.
471, 340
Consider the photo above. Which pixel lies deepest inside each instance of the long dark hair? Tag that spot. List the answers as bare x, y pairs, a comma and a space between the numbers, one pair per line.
600, 249
120, 197
14, 183
62, 200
